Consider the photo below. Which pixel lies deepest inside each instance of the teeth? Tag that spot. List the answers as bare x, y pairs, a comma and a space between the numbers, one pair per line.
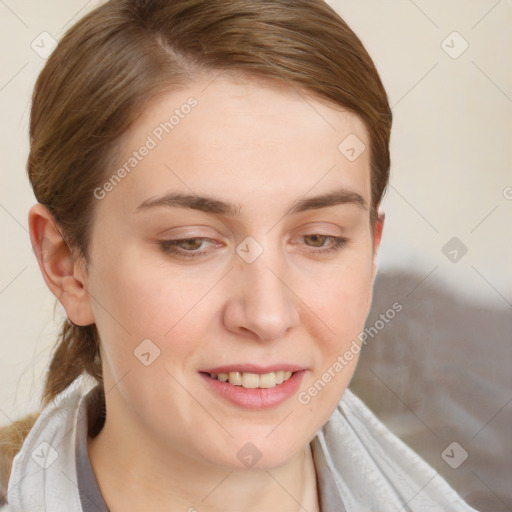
253, 380
268, 380
250, 380
235, 378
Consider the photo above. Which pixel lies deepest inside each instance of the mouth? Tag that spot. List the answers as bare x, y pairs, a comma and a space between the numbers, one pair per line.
250, 380
254, 387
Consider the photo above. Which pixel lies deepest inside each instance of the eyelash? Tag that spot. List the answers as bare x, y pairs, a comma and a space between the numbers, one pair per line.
171, 246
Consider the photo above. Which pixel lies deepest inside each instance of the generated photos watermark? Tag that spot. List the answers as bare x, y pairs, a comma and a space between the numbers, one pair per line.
152, 140
304, 397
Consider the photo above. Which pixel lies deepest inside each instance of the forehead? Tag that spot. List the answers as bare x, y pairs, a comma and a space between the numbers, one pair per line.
249, 139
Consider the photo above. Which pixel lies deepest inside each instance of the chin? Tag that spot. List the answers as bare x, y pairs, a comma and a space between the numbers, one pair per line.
266, 452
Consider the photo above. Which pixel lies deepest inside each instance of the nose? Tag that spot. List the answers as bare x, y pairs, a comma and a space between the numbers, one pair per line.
261, 303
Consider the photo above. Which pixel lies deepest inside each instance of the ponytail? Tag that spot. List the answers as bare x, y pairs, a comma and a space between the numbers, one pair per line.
76, 351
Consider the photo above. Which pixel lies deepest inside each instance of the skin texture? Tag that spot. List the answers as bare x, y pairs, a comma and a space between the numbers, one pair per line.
169, 441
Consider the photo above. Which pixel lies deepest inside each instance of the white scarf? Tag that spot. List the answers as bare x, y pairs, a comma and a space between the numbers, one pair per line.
371, 468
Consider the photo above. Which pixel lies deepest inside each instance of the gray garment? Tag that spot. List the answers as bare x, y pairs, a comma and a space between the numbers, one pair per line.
91, 417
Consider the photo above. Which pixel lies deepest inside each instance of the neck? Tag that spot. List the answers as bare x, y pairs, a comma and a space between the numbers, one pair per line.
140, 476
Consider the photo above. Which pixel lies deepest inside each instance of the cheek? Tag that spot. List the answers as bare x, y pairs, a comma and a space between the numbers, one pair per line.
342, 304
136, 292
141, 299
126, 307
343, 298
151, 325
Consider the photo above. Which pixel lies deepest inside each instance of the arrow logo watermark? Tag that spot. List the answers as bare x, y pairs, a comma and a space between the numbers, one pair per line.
454, 45
351, 147
454, 455
44, 44
249, 250
147, 352
45, 455
249, 455
454, 249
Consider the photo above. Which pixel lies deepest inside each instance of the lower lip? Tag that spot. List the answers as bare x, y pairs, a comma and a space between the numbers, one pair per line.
257, 398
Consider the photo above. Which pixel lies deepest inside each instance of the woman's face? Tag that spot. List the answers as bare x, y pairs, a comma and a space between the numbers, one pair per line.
238, 240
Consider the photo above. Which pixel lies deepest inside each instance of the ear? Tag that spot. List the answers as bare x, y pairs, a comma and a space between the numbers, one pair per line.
377, 236
63, 273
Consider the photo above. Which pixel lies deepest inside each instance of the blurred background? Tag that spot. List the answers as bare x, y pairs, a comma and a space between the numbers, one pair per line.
440, 373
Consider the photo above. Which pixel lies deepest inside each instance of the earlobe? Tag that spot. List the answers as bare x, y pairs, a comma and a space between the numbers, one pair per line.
63, 274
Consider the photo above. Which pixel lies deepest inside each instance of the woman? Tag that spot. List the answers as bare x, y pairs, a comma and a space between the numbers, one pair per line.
208, 178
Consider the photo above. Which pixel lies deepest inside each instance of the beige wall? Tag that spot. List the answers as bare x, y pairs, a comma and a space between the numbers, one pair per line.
452, 161
450, 149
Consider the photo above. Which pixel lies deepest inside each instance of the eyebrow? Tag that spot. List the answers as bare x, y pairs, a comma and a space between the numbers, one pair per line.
215, 206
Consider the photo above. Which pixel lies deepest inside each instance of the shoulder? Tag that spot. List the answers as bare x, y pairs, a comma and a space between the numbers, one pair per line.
18, 440
11, 440
364, 454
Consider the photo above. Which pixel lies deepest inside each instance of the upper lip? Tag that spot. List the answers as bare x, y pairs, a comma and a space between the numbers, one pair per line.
253, 368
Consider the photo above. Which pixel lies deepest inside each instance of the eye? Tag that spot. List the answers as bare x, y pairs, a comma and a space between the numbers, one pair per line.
187, 247
326, 243
202, 246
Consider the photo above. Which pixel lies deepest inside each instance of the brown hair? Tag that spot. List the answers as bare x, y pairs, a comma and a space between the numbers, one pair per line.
125, 53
